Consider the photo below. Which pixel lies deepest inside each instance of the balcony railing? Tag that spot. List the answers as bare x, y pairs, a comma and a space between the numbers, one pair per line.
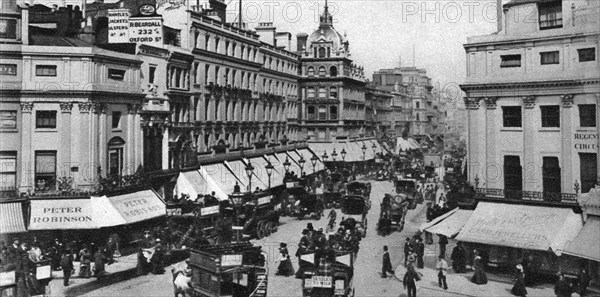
534, 196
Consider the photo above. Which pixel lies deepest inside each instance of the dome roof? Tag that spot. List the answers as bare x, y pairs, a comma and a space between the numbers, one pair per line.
326, 32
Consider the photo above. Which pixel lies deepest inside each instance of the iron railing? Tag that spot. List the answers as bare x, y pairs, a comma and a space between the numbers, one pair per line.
536, 196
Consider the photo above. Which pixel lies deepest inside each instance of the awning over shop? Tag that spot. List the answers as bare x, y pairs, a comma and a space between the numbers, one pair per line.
587, 242
259, 175
293, 166
239, 170
414, 143
451, 224
132, 208
192, 184
278, 170
308, 155
353, 152
368, 155
521, 226
62, 214
11, 218
219, 179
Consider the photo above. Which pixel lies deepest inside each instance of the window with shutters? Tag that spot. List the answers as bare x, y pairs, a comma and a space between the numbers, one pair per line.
45, 171
550, 116
333, 93
588, 164
322, 113
310, 92
322, 92
548, 58
510, 61
322, 71
310, 71
8, 119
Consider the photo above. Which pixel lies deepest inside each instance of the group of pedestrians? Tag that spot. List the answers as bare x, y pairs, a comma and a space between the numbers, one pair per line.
151, 255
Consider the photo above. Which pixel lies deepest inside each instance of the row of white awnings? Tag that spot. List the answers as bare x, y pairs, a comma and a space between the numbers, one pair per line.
519, 226
222, 177
406, 144
95, 212
353, 149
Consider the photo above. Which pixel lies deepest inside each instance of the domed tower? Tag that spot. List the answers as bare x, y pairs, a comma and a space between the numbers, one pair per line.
332, 86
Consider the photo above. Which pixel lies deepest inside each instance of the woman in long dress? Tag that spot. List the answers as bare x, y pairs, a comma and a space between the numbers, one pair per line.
285, 267
479, 277
519, 288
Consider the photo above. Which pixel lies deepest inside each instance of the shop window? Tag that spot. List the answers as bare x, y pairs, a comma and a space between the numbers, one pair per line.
45, 170
8, 119
45, 119
511, 116
333, 112
551, 178
116, 120
549, 58
588, 165
550, 15
115, 156
310, 112
116, 74
510, 61
45, 70
513, 177
587, 115
8, 170
587, 54
550, 116
322, 71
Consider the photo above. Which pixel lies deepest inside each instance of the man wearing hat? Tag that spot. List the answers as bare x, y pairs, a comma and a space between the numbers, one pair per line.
66, 263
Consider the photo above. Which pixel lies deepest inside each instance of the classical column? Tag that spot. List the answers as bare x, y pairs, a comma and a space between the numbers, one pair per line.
27, 159
530, 182
130, 150
101, 142
493, 172
138, 137
566, 135
475, 162
64, 153
87, 166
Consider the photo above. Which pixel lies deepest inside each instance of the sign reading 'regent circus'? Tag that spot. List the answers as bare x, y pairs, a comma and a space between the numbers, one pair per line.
586, 141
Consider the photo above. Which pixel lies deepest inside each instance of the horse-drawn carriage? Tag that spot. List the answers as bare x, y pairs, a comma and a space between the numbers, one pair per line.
393, 211
310, 206
356, 207
256, 213
358, 188
228, 270
329, 274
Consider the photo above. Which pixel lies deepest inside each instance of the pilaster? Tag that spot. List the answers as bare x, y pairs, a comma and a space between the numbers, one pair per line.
64, 152
529, 182
566, 135
491, 161
88, 168
27, 159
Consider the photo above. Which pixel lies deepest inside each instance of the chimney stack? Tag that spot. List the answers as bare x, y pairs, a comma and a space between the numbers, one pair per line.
301, 39
266, 33
284, 39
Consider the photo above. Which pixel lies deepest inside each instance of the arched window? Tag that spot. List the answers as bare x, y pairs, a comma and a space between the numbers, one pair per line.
322, 71
322, 92
115, 156
310, 92
322, 52
311, 71
332, 71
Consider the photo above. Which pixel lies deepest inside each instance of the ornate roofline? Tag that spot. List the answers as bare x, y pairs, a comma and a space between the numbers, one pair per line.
532, 84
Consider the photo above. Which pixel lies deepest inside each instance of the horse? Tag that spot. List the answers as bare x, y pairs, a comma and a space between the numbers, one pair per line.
182, 283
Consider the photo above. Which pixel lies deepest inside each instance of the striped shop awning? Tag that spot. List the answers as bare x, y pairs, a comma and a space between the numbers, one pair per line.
11, 218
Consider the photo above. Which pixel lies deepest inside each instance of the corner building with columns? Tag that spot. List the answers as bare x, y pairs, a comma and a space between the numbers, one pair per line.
532, 99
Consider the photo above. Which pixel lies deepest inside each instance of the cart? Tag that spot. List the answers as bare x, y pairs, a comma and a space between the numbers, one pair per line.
338, 282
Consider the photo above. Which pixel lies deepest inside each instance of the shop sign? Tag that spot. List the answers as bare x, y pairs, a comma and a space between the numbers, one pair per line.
237, 228
209, 210
7, 278
264, 200
146, 30
174, 211
319, 281
8, 69
289, 184
586, 141
231, 260
43, 272
118, 25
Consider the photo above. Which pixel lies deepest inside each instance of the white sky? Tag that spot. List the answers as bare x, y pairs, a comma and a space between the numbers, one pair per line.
380, 31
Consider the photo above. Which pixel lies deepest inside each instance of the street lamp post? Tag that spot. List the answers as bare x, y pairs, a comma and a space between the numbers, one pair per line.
249, 171
313, 161
364, 150
286, 165
343, 153
324, 157
269, 169
301, 162
333, 156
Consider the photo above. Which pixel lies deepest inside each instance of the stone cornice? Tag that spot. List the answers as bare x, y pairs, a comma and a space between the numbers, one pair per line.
529, 101
526, 85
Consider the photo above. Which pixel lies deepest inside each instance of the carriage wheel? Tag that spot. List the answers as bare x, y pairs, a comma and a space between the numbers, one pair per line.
266, 229
259, 230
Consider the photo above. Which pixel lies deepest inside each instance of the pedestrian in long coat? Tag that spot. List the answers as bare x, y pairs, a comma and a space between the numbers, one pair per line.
562, 287
458, 258
99, 259
519, 288
158, 260
420, 253
408, 248
66, 263
387, 263
442, 241
142, 263
285, 267
411, 277
86, 261
479, 276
